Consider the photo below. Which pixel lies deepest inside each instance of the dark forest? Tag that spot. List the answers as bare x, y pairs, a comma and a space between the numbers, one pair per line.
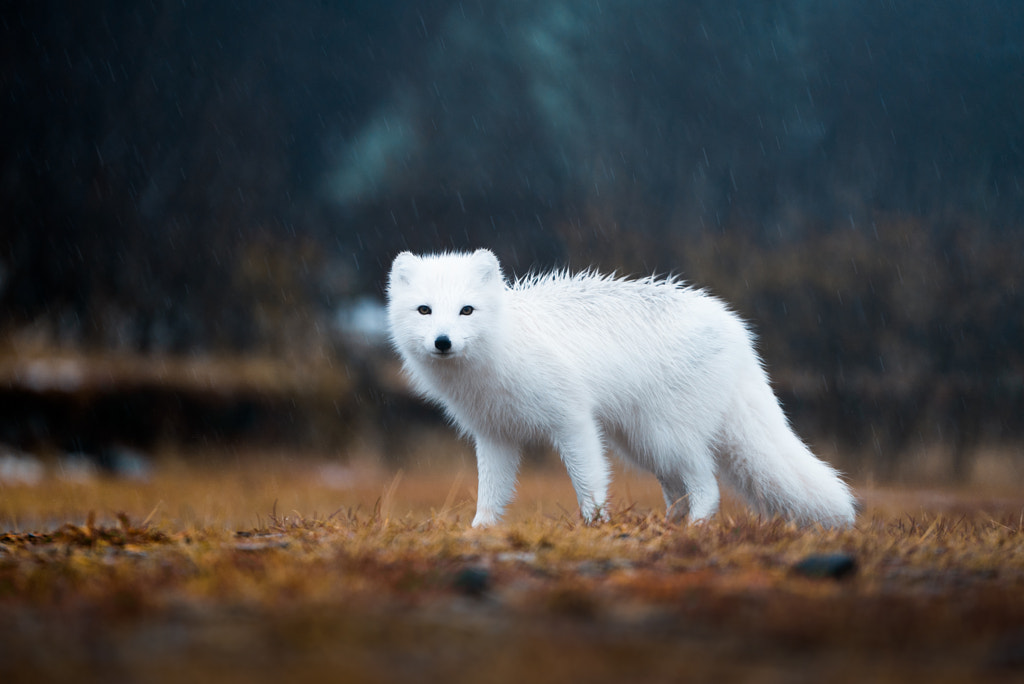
231, 180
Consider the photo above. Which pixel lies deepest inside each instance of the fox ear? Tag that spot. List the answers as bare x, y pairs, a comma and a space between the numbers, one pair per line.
401, 268
487, 266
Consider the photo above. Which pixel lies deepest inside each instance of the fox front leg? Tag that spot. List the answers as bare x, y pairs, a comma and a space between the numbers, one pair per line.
497, 466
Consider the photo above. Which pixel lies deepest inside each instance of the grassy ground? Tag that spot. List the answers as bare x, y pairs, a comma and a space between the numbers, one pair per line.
278, 569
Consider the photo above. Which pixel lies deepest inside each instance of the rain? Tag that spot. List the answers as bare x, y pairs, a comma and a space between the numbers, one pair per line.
201, 202
204, 182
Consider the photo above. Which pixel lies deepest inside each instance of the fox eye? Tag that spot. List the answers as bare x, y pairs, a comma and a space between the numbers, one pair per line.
466, 310
423, 309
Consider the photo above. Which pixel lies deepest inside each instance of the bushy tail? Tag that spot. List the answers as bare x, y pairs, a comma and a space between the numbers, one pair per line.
765, 462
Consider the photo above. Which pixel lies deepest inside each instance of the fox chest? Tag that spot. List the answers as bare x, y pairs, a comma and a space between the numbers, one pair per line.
514, 411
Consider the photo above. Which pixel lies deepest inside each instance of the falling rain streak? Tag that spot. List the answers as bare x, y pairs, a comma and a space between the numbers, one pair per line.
200, 181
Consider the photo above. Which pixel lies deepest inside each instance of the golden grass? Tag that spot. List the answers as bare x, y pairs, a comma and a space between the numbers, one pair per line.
283, 569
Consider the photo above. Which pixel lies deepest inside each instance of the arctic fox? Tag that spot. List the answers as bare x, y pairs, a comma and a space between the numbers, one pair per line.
664, 375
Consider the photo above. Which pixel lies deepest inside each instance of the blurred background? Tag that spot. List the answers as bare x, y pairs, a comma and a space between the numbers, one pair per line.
199, 203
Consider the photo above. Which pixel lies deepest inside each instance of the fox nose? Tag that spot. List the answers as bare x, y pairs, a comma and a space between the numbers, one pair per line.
442, 343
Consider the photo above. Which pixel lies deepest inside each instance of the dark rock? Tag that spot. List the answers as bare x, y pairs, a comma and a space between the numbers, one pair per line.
472, 581
826, 566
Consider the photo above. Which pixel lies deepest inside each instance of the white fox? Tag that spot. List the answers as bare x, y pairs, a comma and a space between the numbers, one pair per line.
665, 375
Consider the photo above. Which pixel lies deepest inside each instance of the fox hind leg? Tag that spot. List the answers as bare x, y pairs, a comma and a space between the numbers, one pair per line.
692, 491
582, 451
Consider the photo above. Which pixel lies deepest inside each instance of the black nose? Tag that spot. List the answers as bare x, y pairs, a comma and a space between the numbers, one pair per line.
442, 343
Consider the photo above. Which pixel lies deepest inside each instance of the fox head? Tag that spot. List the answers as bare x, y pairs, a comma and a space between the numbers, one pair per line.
444, 306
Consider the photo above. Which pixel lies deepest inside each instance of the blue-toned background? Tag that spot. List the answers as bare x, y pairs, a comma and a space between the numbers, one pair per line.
223, 179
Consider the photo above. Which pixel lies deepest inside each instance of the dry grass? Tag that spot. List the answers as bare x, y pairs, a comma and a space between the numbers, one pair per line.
277, 569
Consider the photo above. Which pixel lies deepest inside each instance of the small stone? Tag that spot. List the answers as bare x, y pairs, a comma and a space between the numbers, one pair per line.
826, 566
472, 581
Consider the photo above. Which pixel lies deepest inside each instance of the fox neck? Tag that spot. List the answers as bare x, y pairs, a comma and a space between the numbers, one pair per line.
478, 369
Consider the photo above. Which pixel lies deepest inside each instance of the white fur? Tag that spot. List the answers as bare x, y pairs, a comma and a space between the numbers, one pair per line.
663, 374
